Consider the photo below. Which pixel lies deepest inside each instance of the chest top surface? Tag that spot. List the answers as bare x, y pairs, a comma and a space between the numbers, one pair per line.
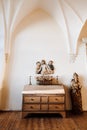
43, 89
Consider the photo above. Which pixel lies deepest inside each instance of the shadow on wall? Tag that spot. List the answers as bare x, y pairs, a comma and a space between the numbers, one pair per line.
68, 98
4, 94
83, 92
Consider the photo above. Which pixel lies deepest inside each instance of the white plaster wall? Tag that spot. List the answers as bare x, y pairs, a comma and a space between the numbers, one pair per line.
1, 38
1, 47
1, 51
39, 37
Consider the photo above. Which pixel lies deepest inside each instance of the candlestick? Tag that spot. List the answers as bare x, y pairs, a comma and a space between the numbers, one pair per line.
57, 78
30, 80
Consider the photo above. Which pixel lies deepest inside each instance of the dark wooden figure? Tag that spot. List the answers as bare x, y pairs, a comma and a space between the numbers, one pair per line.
75, 93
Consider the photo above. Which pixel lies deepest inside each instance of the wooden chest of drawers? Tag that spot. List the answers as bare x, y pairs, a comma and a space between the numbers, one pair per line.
38, 100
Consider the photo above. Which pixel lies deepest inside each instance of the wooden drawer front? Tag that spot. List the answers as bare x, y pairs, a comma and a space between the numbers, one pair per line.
44, 107
56, 107
44, 99
57, 99
31, 107
28, 99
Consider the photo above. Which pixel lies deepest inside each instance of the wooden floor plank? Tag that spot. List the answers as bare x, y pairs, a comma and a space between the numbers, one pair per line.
81, 121
14, 121
69, 124
23, 124
30, 124
59, 124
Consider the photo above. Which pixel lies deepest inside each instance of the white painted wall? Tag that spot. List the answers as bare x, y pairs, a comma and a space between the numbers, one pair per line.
39, 37
1, 39
1, 50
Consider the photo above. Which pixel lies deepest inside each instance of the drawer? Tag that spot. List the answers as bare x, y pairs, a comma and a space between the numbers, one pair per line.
56, 99
31, 107
44, 107
56, 107
28, 99
44, 99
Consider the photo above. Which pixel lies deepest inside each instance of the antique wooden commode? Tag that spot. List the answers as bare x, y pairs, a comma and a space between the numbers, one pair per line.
43, 99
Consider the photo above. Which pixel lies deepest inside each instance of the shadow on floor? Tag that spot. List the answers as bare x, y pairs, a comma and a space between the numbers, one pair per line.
43, 115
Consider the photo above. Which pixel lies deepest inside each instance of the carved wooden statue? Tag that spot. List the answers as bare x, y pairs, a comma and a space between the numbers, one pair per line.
43, 68
76, 94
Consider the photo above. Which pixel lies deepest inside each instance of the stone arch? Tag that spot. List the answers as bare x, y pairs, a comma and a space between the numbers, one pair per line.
82, 34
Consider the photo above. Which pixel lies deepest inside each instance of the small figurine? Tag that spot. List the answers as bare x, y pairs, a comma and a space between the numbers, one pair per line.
76, 94
38, 67
44, 72
44, 67
50, 67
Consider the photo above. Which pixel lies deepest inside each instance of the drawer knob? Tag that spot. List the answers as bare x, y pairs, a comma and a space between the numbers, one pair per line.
31, 107
32, 99
56, 107
56, 99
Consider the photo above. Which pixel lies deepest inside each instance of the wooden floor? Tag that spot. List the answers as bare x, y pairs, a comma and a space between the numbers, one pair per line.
13, 121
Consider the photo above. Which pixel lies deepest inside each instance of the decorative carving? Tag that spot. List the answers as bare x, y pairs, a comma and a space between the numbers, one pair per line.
43, 68
44, 80
47, 80
76, 94
72, 57
84, 40
44, 73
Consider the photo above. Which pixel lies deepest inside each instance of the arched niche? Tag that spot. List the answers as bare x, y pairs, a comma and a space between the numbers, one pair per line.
36, 37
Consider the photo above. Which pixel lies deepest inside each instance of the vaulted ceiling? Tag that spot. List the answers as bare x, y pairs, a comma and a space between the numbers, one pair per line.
71, 15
